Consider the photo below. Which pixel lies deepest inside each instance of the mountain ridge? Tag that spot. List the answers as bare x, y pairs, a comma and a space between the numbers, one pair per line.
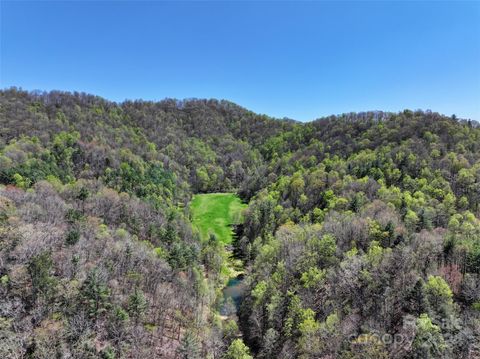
359, 227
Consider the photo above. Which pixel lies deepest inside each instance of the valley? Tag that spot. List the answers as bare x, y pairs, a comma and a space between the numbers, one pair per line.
215, 215
199, 229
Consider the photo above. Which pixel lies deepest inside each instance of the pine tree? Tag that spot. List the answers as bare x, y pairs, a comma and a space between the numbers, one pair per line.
189, 347
95, 294
137, 305
43, 284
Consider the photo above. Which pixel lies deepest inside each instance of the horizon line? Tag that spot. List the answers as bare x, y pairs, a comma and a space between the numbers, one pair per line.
283, 118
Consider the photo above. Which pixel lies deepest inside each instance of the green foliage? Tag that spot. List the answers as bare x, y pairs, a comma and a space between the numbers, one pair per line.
72, 215
182, 255
324, 249
95, 294
237, 350
313, 277
347, 217
108, 353
64, 149
189, 347
214, 256
43, 282
137, 305
411, 220
258, 293
439, 293
20, 181
428, 342
83, 194
146, 180
73, 235
230, 330
375, 253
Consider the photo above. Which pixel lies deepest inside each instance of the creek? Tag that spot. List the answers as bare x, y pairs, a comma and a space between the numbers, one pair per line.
233, 295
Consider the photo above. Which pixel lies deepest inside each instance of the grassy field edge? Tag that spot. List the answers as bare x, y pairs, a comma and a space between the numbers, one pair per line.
215, 213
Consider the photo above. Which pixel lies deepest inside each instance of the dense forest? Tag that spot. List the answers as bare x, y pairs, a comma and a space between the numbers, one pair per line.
361, 238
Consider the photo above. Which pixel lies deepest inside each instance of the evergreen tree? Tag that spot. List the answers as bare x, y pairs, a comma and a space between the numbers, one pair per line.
189, 347
95, 294
43, 283
137, 305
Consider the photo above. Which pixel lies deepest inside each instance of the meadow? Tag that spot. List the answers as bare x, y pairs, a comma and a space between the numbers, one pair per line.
215, 213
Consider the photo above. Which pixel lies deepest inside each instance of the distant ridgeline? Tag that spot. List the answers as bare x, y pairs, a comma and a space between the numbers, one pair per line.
361, 238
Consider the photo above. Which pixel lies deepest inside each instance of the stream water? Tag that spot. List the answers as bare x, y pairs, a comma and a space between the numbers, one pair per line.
233, 295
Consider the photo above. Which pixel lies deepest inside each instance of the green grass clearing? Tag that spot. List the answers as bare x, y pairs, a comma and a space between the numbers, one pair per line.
216, 213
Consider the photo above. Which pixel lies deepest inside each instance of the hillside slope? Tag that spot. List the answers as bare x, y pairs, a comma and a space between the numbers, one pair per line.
361, 238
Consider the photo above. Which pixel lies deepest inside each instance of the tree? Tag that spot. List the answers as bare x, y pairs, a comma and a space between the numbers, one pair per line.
368, 346
237, 350
189, 347
213, 255
297, 186
230, 330
411, 220
309, 344
438, 292
428, 342
203, 179
72, 237
95, 294
116, 324
269, 343
324, 248
137, 305
43, 283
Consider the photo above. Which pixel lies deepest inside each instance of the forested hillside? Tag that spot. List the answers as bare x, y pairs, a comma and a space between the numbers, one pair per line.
361, 238
364, 240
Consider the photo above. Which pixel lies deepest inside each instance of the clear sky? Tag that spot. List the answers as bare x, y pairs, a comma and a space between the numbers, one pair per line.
300, 60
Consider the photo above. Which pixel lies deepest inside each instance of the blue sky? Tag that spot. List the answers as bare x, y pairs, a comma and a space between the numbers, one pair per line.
300, 60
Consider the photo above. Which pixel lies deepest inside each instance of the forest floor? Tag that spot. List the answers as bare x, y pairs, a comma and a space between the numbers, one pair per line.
216, 213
